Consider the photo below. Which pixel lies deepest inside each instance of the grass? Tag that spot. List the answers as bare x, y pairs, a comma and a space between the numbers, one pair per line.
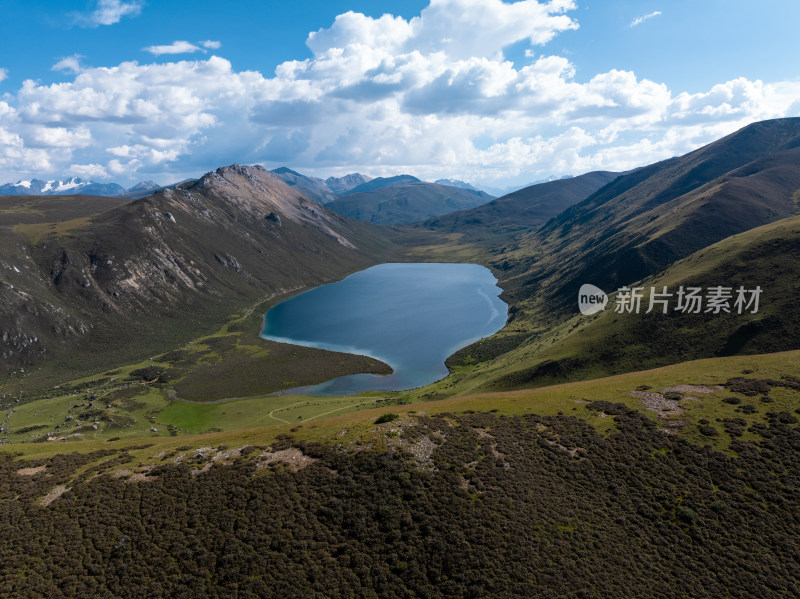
260, 411
16, 210
345, 420
36, 231
580, 348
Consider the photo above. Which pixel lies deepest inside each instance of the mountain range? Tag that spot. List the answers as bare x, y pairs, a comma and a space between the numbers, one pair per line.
458, 183
543, 242
74, 185
521, 210
404, 199
317, 189
151, 452
385, 200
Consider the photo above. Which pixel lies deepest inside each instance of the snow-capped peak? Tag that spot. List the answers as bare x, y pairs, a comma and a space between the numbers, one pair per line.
70, 183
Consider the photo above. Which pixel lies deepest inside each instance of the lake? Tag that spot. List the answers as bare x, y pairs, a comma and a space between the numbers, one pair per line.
410, 316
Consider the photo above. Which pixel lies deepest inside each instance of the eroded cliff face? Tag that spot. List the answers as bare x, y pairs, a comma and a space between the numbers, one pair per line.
178, 259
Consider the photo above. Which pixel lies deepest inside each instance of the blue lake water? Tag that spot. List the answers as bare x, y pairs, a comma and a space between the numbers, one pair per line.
410, 316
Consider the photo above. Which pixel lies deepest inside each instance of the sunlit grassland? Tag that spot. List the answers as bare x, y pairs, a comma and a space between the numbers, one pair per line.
342, 420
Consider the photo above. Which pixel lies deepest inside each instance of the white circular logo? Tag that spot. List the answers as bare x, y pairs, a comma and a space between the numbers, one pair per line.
591, 299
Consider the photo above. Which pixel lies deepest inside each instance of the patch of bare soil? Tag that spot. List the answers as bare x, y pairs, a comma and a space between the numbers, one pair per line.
656, 402
140, 475
31, 471
693, 389
54, 494
228, 454
292, 457
572, 452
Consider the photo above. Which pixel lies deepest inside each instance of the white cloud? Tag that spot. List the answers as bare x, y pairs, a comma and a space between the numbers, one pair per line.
183, 47
432, 95
643, 18
109, 12
177, 47
58, 137
467, 28
3, 74
70, 64
88, 171
116, 167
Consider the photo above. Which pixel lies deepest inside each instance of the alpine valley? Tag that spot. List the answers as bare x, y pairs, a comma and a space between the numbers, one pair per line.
148, 450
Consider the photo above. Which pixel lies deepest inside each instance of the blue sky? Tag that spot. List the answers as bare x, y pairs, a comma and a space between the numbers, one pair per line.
487, 91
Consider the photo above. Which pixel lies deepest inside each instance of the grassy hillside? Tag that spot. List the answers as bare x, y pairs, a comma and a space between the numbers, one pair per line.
630, 229
645, 220
504, 219
611, 342
397, 204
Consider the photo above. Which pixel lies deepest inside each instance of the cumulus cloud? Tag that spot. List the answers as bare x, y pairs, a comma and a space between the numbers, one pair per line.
643, 18
109, 12
459, 28
88, 171
58, 137
467, 28
3, 74
433, 95
211, 45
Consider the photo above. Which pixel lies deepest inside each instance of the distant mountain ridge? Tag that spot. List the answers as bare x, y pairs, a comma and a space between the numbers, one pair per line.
318, 190
520, 211
340, 185
381, 182
404, 199
73, 186
457, 183
312, 187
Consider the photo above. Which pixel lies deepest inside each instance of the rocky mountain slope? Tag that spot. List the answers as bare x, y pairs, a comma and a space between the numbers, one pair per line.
340, 185
311, 187
317, 189
142, 276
